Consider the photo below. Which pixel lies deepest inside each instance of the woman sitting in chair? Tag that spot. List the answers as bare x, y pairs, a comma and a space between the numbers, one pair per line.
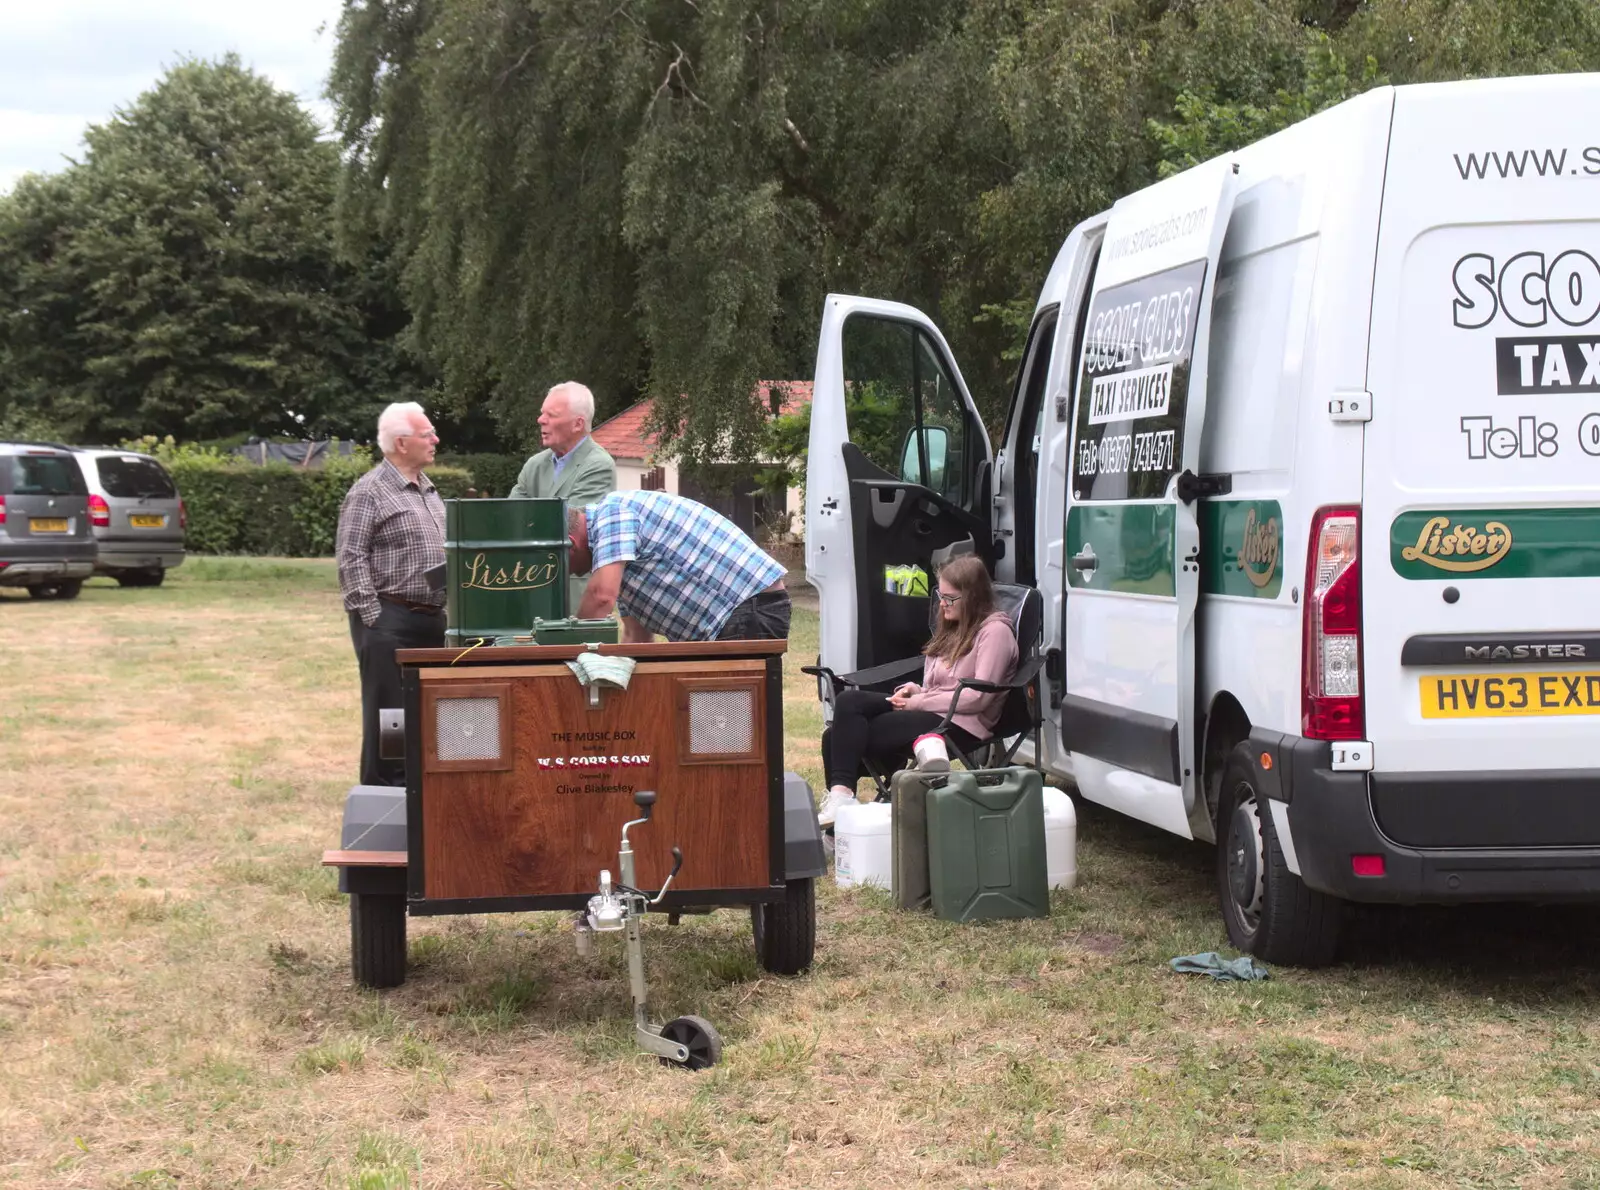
973, 641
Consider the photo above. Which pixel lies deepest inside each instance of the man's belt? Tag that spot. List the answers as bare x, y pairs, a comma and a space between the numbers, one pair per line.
431, 609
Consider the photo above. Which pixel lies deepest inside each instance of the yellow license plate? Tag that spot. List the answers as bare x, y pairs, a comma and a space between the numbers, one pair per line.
47, 524
146, 520
1490, 696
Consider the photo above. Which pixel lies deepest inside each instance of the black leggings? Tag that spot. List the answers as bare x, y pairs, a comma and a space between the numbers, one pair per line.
865, 724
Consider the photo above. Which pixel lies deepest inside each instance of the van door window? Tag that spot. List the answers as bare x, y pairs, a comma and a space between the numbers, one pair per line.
1028, 408
904, 410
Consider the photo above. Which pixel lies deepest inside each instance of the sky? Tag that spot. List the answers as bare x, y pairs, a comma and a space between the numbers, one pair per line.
66, 64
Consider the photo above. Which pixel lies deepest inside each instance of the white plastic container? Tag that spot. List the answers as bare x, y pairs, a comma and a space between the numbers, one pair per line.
863, 845
1060, 839
931, 754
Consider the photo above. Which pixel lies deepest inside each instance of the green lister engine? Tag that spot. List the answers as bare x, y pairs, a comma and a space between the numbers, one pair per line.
506, 575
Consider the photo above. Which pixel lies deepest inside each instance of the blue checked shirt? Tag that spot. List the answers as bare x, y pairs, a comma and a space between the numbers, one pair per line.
687, 566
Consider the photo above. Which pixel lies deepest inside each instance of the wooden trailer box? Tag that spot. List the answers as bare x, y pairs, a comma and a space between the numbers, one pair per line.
520, 777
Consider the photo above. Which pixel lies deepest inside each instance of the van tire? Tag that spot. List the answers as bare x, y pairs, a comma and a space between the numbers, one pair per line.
1269, 911
66, 588
142, 578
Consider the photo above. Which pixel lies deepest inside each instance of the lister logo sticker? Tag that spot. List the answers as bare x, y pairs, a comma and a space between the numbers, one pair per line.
1258, 549
1459, 547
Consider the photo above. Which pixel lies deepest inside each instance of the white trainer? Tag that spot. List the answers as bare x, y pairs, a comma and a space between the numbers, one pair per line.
831, 801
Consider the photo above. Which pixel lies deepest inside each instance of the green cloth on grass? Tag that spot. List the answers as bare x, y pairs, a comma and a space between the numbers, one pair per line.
1211, 963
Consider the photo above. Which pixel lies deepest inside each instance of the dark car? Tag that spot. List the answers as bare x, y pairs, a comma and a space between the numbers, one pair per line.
46, 542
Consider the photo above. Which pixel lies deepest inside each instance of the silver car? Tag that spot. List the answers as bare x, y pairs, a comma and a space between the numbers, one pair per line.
137, 516
45, 540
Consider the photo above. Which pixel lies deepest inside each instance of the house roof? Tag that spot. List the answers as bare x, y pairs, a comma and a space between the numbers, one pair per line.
624, 436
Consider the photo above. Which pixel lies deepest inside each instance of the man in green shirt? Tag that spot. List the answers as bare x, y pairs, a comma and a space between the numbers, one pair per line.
572, 466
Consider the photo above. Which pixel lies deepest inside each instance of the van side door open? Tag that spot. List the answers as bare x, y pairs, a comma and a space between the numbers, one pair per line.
897, 478
1132, 537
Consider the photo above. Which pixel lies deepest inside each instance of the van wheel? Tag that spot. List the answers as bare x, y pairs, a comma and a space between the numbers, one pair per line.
142, 578
65, 589
1269, 911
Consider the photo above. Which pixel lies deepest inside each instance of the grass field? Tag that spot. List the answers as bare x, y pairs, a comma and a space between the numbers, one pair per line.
176, 1008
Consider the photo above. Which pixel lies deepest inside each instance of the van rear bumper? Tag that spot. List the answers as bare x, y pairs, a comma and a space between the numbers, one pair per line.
1334, 816
26, 574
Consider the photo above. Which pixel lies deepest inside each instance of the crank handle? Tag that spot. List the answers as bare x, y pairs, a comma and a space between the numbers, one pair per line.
677, 862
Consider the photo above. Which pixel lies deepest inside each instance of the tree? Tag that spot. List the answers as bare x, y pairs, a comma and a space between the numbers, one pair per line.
655, 196
182, 279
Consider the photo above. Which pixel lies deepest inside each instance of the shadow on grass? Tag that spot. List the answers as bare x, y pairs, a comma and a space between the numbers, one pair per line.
1536, 951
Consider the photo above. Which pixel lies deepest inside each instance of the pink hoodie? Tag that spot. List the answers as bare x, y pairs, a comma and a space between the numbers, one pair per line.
993, 658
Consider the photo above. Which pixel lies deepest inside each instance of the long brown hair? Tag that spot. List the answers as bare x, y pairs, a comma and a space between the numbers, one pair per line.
953, 639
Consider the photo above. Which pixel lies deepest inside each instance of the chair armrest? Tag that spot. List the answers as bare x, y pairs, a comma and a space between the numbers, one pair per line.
1028, 671
878, 675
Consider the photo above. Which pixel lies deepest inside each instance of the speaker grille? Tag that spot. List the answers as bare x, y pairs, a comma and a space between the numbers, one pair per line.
722, 721
467, 728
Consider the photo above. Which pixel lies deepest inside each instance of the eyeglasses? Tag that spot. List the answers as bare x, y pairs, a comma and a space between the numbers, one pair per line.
430, 436
947, 600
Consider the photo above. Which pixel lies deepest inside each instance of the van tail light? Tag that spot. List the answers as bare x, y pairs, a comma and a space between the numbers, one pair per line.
2, 510
1331, 707
99, 512
183, 515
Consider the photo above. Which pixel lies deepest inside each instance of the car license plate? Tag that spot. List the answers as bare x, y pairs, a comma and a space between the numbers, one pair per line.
47, 524
147, 520
1487, 696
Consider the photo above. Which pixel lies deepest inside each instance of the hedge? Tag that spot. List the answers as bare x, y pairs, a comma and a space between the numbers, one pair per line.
278, 509
491, 473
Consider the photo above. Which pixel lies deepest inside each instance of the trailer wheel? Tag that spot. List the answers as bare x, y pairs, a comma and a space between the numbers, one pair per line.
786, 931
1269, 911
703, 1041
378, 939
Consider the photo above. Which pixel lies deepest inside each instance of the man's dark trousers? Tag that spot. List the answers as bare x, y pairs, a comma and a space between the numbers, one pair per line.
397, 627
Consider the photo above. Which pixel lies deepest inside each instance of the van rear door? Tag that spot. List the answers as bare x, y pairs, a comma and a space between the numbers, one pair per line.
1132, 539
1480, 534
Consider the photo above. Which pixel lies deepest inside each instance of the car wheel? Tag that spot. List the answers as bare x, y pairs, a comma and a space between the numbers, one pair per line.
1269, 911
142, 578
65, 589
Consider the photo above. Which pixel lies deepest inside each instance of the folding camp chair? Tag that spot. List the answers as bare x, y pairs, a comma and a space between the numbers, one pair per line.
1019, 716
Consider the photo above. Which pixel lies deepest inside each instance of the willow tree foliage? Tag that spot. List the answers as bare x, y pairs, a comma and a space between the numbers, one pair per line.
654, 196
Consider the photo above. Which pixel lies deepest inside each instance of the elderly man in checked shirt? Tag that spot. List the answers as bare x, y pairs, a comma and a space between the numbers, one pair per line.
672, 566
391, 530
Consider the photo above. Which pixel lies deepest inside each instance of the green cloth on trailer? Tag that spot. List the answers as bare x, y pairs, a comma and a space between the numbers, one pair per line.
592, 668
1211, 963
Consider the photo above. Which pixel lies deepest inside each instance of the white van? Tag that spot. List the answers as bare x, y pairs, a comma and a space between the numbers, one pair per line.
1304, 458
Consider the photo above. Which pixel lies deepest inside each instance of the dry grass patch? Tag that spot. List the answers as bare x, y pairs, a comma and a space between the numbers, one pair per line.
176, 1009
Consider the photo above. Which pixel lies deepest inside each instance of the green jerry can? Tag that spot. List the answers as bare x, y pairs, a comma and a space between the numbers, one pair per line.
505, 566
908, 848
986, 853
